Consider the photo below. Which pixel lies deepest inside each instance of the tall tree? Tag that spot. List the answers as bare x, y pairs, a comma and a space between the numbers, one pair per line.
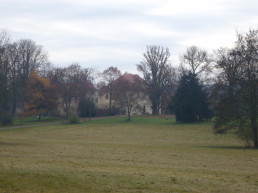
190, 101
237, 85
17, 60
73, 82
197, 60
39, 97
129, 92
157, 73
16, 90
25, 56
109, 76
32, 57
5, 78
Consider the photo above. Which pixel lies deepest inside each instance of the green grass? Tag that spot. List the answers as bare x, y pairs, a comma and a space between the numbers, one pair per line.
148, 154
33, 120
142, 120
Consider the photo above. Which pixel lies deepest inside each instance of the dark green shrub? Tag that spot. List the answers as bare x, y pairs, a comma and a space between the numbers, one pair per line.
74, 119
86, 108
107, 112
6, 119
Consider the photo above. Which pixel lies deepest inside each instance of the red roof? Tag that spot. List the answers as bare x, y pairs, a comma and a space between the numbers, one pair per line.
130, 77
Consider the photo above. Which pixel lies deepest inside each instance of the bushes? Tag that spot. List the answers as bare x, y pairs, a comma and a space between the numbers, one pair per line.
74, 119
87, 108
241, 127
6, 119
107, 112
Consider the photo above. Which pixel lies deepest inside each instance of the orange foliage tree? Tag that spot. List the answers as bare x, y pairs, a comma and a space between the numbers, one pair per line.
40, 95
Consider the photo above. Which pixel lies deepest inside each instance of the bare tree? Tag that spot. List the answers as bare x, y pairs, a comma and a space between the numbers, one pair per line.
17, 60
129, 92
4, 78
46, 69
32, 57
72, 82
157, 73
238, 106
15, 81
197, 59
109, 76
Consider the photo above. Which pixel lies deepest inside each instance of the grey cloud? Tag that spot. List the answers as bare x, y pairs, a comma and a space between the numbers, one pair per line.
116, 33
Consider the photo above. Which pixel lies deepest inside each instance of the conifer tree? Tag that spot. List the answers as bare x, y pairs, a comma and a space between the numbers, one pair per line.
190, 103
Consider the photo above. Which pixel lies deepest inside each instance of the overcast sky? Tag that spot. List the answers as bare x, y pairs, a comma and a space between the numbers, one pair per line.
99, 34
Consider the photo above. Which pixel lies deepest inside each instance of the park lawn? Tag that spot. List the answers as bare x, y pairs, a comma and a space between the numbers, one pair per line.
148, 154
33, 120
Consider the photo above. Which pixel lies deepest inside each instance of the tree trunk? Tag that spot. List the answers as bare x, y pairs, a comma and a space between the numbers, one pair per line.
155, 108
255, 137
128, 114
13, 111
14, 98
110, 102
129, 117
89, 113
254, 128
66, 114
253, 110
66, 110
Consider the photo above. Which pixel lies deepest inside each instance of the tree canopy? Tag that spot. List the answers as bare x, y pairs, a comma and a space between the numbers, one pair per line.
39, 95
237, 89
109, 76
129, 92
158, 74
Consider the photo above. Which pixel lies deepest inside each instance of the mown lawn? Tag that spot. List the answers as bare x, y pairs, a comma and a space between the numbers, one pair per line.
33, 120
149, 154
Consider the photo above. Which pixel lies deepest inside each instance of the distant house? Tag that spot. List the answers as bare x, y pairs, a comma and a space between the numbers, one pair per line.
100, 98
132, 87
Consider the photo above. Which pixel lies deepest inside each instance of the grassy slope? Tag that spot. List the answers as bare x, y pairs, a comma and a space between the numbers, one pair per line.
146, 155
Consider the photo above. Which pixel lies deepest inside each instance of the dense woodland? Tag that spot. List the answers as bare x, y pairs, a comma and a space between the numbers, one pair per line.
222, 86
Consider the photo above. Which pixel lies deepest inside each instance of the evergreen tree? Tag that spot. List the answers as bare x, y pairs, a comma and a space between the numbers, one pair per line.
190, 103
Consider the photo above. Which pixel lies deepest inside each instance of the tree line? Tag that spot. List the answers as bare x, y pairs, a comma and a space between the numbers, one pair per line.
17, 60
222, 85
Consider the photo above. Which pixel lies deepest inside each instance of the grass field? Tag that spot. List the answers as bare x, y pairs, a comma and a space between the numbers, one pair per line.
33, 120
110, 155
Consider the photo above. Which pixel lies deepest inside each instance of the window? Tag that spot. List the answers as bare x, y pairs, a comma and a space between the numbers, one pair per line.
96, 100
107, 96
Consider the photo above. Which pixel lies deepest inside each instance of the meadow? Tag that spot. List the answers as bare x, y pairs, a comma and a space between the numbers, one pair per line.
148, 154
